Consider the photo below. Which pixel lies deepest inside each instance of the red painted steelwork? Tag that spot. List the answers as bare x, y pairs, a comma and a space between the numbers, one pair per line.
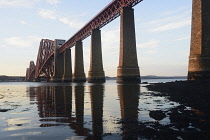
27, 73
109, 13
44, 63
30, 74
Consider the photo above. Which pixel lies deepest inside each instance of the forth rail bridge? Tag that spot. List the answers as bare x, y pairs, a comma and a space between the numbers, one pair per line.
54, 57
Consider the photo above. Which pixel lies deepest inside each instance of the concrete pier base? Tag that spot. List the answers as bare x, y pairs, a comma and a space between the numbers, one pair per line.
199, 60
67, 76
37, 79
58, 63
96, 72
199, 67
128, 70
79, 74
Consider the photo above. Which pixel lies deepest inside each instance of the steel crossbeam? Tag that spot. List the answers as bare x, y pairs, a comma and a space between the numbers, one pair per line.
105, 16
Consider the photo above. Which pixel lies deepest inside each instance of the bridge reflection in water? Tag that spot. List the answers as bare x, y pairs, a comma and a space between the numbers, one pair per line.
129, 102
55, 108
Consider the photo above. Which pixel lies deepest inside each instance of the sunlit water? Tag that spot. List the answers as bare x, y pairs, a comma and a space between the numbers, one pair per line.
73, 111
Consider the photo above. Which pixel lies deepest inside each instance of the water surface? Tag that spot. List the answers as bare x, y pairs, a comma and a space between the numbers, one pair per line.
73, 111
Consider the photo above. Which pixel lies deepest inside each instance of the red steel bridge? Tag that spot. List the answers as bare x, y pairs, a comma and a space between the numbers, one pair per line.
54, 57
45, 65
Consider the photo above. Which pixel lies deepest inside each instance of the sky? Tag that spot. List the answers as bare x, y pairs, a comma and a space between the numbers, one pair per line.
163, 30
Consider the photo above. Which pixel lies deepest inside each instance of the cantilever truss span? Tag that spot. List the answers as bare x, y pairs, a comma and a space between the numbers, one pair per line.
44, 63
30, 72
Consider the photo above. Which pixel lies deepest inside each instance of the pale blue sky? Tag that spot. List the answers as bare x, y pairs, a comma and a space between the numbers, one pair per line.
162, 33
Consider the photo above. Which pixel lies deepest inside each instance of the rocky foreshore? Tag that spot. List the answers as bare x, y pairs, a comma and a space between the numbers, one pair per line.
195, 94
189, 120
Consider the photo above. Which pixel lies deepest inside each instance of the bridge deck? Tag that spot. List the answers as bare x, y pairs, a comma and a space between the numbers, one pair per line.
105, 16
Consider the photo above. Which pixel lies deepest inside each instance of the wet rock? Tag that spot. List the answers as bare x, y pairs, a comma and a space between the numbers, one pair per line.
157, 115
4, 110
1, 96
190, 129
18, 124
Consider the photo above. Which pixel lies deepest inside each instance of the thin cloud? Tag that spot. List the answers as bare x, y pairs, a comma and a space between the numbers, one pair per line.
172, 12
110, 37
151, 44
53, 15
184, 38
23, 22
171, 26
48, 14
20, 42
173, 20
25, 3
71, 23
151, 52
53, 2
18, 3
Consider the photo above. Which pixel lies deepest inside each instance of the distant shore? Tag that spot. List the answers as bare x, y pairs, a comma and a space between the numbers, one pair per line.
4, 78
153, 77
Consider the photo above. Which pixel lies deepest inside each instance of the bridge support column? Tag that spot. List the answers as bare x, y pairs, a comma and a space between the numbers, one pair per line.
96, 73
58, 62
199, 60
128, 70
67, 76
79, 74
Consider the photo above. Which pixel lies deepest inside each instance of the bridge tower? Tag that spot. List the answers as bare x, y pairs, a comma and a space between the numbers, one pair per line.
199, 60
128, 69
58, 62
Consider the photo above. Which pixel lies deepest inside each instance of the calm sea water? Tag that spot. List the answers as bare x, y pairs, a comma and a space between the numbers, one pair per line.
73, 111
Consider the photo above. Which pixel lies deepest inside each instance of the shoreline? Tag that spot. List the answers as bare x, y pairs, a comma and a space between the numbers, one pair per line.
192, 93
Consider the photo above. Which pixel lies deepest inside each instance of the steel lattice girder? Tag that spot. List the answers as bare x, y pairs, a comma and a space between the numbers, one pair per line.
46, 51
30, 71
109, 13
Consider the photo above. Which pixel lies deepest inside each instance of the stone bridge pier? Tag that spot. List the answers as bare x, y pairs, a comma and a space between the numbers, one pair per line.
62, 64
199, 60
128, 70
96, 73
79, 74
